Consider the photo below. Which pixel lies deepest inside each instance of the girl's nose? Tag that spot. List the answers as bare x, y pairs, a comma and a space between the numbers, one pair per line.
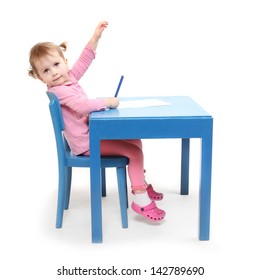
54, 72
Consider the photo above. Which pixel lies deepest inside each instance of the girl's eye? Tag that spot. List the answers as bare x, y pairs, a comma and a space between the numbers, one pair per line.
46, 71
56, 64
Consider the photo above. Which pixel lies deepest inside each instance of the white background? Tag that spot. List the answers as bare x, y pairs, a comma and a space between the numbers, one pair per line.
209, 50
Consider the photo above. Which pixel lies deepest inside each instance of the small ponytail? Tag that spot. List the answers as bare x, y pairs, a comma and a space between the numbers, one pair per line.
64, 46
32, 74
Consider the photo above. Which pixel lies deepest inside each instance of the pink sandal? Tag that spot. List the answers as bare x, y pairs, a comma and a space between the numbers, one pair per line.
151, 211
153, 194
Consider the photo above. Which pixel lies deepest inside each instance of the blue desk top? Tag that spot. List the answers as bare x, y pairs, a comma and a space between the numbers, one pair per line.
180, 106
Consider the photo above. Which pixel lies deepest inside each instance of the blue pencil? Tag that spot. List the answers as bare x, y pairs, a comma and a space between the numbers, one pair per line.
119, 85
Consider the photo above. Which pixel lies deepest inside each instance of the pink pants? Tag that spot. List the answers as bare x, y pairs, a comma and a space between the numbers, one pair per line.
132, 149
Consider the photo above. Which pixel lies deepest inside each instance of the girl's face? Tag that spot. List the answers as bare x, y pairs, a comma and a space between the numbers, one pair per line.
52, 70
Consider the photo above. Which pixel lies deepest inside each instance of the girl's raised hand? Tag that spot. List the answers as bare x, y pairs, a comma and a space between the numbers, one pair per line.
100, 28
93, 42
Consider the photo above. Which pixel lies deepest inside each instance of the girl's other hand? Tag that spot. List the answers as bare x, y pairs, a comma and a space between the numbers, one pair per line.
111, 102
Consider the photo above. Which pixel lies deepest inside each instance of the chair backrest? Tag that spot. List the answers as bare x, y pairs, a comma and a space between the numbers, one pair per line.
58, 126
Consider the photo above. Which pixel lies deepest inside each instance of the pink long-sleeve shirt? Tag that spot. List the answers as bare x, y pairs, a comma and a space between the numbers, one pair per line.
76, 106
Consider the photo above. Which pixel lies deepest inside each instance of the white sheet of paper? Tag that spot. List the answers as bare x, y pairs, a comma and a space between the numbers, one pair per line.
142, 103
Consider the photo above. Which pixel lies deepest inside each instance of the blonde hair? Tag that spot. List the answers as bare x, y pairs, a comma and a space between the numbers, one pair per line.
42, 49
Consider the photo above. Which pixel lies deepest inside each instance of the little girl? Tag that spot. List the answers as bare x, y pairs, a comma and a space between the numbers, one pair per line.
49, 65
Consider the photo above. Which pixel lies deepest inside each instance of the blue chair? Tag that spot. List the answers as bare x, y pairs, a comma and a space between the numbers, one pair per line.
66, 160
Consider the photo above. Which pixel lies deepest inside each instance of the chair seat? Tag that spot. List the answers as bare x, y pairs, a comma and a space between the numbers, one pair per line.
106, 161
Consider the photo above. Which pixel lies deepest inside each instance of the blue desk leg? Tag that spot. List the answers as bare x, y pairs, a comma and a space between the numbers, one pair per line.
95, 187
103, 182
205, 188
185, 162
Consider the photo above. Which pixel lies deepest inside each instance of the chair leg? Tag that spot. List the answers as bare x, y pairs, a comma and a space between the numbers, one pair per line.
61, 197
103, 182
126, 191
121, 179
68, 174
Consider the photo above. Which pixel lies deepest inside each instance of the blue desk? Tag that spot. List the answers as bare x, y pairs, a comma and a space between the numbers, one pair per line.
183, 118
